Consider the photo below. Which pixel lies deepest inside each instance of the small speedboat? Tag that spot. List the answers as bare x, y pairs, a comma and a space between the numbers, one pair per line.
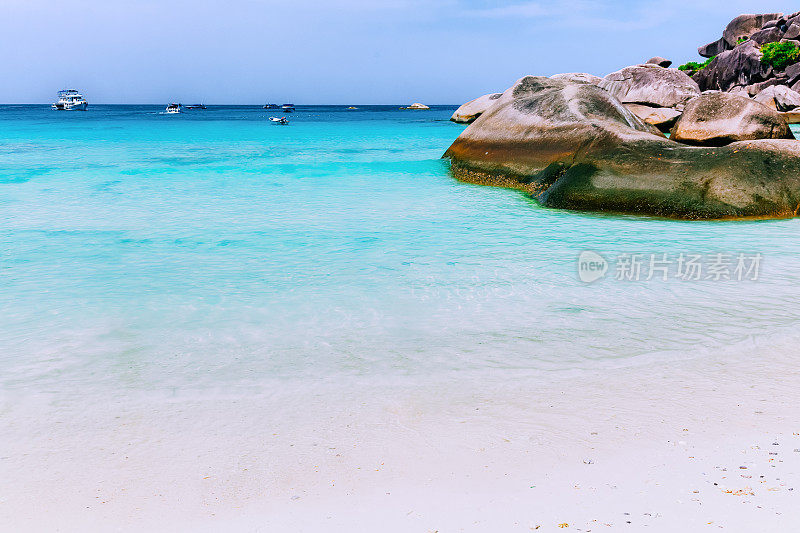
283, 121
173, 109
288, 108
70, 100
352, 108
271, 106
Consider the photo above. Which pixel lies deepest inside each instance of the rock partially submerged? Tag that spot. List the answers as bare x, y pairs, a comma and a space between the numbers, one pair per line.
467, 113
575, 146
717, 119
651, 85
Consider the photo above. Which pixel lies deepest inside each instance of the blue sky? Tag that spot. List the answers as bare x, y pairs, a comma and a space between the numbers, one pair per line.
339, 51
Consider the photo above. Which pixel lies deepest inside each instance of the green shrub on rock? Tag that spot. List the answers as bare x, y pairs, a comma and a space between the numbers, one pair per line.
780, 55
692, 66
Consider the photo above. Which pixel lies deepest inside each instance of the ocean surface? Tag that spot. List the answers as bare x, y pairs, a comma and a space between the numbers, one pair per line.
142, 253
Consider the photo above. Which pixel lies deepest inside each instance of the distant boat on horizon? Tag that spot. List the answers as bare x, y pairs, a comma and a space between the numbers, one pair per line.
70, 100
195, 106
271, 106
173, 109
288, 108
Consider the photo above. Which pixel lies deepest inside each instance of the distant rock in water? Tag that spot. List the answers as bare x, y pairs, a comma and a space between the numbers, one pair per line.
651, 85
779, 98
417, 105
575, 146
718, 119
467, 113
660, 61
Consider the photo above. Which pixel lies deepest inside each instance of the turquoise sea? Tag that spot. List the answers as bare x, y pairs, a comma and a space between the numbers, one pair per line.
214, 251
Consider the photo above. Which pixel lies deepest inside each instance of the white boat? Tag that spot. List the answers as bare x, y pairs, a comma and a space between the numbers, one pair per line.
70, 100
283, 121
173, 108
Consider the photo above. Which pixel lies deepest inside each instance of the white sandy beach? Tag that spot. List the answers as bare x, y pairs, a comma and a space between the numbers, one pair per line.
699, 444
559, 295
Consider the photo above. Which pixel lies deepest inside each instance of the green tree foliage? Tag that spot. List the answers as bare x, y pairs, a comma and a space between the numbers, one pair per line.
780, 55
692, 67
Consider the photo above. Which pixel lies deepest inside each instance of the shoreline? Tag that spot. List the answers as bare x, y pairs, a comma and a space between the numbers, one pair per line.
638, 440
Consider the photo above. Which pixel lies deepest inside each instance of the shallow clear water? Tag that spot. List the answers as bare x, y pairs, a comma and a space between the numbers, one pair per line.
215, 251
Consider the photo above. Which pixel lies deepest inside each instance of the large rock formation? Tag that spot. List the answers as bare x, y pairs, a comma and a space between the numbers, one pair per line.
742, 27
717, 119
779, 98
651, 85
575, 146
767, 35
530, 125
738, 61
740, 67
467, 113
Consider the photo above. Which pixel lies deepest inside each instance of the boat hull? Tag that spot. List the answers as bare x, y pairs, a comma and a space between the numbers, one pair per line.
73, 107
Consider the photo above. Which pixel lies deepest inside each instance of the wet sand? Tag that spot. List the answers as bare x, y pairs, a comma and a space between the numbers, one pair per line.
711, 443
